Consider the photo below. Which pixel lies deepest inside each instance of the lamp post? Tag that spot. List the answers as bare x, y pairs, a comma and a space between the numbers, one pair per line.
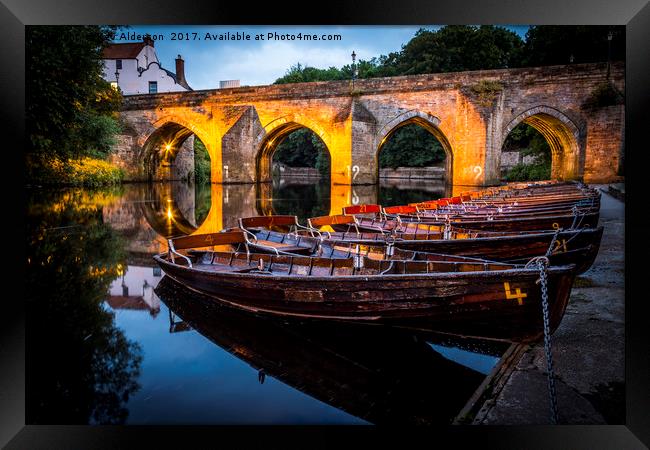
354, 71
610, 35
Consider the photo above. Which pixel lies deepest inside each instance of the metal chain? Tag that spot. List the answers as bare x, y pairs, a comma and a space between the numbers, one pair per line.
542, 264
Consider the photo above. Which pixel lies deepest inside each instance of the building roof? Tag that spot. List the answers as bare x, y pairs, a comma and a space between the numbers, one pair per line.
175, 78
130, 50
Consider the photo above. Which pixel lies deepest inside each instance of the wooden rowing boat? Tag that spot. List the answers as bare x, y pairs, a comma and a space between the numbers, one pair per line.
533, 222
579, 247
490, 299
522, 211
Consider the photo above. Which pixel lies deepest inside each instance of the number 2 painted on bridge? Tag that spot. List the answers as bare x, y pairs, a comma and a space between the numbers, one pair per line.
478, 170
355, 171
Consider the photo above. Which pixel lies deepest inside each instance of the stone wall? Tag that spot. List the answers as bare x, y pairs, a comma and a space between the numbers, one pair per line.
183, 165
511, 159
295, 172
429, 173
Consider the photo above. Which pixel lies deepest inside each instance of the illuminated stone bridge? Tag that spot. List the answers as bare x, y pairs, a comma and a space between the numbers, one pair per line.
470, 113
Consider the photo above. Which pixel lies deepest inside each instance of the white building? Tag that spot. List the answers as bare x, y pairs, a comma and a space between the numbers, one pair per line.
228, 84
135, 68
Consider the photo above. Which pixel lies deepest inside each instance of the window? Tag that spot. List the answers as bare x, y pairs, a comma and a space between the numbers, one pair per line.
114, 85
118, 64
153, 87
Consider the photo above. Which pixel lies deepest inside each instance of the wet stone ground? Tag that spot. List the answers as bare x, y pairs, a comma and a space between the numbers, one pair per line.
588, 347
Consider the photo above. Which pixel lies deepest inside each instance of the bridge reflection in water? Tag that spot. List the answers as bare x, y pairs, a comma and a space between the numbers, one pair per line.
150, 213
381, 375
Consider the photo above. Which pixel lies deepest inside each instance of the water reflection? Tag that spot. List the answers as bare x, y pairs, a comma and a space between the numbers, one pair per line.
134, 290
99, 347
80, 368
172, 209
378, 374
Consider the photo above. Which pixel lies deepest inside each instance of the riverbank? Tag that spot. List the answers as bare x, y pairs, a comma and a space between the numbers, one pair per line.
86, 171
588, 350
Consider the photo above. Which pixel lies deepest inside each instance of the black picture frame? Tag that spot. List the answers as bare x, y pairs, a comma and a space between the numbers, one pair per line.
635, 14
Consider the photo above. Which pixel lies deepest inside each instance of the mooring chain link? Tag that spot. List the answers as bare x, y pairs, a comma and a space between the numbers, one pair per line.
542, 264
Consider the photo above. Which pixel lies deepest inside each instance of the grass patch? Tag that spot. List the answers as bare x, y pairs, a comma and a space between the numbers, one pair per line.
529, 172
583, 282
85, 171
487, 91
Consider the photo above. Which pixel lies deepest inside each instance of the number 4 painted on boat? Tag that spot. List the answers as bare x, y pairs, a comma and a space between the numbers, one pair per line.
517, 294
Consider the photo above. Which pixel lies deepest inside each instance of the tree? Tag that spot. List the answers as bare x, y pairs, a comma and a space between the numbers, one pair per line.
557, 44
529, 142
302, 74
202, 169
71, 109
303, 148
411, 146
456, 48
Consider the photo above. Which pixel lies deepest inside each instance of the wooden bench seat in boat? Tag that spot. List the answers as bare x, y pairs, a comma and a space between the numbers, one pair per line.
283, 247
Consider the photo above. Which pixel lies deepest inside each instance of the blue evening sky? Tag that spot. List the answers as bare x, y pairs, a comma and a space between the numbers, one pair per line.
259, 62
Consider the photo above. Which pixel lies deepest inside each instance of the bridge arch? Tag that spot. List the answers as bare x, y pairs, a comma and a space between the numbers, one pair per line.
428, 122
273, 134
161, 147
562, 136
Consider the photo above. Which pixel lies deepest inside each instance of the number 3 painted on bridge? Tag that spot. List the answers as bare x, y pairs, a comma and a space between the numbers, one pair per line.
355, 170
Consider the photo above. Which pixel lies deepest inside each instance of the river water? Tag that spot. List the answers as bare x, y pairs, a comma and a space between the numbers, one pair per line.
110, 340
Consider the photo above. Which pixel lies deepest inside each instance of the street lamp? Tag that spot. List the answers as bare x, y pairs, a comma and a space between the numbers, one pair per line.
354, 71
610, 35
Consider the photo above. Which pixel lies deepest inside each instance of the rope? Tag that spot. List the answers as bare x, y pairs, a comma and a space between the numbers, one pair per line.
549, 252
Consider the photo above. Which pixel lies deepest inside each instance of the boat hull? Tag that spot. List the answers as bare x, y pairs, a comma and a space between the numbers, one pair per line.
497, 304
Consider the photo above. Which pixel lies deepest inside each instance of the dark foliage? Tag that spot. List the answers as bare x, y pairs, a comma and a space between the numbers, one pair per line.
70, 108
202, 170
80, 368
303, 148
411, 146
564, 44
529, 142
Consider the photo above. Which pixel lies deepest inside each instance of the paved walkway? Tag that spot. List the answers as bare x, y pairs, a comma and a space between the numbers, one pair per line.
588, 347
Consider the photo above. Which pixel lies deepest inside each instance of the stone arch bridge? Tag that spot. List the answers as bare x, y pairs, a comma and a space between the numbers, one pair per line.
470, 113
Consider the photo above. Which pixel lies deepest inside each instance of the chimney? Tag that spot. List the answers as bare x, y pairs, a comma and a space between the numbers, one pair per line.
180, 70
147, 40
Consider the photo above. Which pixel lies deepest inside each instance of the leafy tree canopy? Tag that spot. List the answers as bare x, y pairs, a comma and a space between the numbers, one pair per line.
563, 44
70, 107
411, 146
303, 148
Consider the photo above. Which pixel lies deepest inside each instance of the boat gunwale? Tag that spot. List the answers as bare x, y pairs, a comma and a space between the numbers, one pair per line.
518, 272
